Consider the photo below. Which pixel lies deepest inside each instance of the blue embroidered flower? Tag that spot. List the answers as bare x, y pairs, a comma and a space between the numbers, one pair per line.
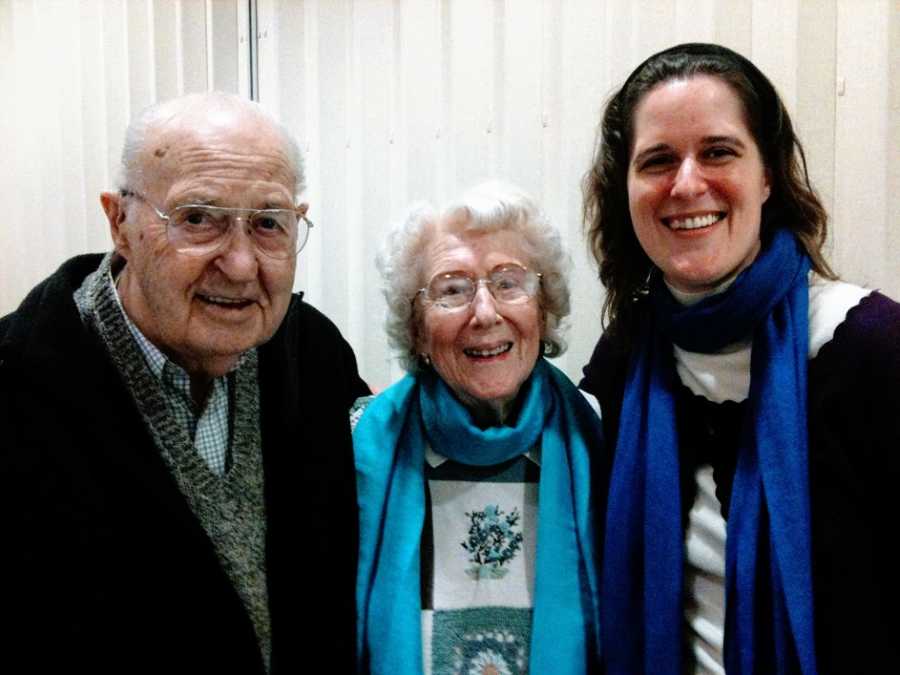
493, 541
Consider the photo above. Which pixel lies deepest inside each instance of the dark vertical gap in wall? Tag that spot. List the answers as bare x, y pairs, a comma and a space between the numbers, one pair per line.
254, 50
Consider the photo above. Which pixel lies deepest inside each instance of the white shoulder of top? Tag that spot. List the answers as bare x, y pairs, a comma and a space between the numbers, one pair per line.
829, 303
592, 401
725, 375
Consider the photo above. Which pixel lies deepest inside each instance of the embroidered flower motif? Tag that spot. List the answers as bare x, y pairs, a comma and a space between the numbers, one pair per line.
488, 662
493, 541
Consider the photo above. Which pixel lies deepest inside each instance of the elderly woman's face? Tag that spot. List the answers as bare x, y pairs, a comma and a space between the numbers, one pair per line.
696, 182
487, 349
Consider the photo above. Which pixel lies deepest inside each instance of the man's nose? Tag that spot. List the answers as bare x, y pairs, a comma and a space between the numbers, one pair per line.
485, 306
689, 180
238, 257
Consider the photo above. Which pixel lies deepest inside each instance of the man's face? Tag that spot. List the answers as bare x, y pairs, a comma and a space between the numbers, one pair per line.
205, 311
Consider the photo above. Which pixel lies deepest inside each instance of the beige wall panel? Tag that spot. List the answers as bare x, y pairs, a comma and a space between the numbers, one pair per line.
814, 110
166, 42
891, 283
8, 169
142, 78
73, 73
374, 150
471, 92
774, 45
329, 204
277, 32
419, 131
417, 168
224, 33
111, 86
527, 74
398, 100
61, 151
734, 25
40, 155
514, 89
695, 20
94, 130
584, 86
180, 47
861, 218
13, 176
194, 23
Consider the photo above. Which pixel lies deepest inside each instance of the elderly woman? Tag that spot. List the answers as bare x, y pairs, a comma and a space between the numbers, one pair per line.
476, 549
750, 396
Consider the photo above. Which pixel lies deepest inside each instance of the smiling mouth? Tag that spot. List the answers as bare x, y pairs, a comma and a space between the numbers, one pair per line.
227, 303
693, 222
488, 353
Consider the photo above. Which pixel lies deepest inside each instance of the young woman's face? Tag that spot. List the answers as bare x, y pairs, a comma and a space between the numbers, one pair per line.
696, 182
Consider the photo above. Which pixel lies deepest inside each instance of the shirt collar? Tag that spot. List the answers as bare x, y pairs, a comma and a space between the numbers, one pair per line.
157, 361
155, 358
435, 460
689, 298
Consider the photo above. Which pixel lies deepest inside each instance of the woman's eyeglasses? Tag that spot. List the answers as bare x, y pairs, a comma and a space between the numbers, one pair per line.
508, 283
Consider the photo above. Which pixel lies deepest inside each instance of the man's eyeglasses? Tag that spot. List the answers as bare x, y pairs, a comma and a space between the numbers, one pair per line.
198, 229
509, 283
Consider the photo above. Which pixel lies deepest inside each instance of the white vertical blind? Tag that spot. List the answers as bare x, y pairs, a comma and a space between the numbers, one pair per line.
410, 100
398, 100
863, 149
72, 75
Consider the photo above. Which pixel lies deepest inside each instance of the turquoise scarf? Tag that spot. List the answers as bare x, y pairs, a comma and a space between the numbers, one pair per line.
390, 442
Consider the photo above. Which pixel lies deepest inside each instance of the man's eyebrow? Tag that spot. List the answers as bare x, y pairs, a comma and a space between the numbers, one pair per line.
198, 199
201, 199
289, 206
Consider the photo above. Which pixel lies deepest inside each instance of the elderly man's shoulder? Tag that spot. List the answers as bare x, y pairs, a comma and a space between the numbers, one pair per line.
306, 328
47, 314
311, 342
66, 279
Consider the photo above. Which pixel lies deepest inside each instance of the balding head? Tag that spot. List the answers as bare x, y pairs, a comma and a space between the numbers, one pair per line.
145, 150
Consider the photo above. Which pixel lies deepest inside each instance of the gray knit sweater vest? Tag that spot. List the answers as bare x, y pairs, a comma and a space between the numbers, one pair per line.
230, 508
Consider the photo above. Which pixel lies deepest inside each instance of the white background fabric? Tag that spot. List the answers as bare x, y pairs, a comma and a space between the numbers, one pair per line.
398, 100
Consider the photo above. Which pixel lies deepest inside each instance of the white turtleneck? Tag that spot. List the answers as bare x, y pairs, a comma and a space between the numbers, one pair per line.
725, 375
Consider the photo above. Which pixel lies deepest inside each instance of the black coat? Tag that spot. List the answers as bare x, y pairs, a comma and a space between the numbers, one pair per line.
104, 566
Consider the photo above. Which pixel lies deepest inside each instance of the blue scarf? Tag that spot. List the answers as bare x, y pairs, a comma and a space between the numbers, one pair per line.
389, 442
769, 601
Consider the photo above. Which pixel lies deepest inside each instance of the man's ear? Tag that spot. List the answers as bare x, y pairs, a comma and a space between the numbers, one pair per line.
302, 209
115, 214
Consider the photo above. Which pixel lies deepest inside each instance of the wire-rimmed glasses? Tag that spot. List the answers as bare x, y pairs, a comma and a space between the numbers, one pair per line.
509, 283
200, 229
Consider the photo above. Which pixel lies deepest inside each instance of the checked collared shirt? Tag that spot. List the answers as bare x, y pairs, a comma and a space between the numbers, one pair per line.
209, 427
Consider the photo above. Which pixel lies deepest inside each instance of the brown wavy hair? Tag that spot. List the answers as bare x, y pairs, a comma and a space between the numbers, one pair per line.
793, 203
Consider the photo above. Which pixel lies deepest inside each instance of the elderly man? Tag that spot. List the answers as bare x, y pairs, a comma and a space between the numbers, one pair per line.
176, 474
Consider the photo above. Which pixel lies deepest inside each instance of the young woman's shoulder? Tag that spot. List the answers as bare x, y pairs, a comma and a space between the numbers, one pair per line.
852, 319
